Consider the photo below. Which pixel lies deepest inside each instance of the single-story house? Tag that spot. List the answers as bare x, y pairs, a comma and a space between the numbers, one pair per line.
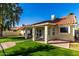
56, 28
20, 30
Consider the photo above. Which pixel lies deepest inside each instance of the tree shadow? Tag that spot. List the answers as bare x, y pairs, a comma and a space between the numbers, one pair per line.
28, 51
17, 38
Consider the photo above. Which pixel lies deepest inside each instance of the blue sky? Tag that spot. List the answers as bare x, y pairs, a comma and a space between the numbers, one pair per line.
36, 12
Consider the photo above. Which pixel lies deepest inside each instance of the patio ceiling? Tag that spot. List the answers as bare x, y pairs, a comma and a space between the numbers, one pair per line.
40, 25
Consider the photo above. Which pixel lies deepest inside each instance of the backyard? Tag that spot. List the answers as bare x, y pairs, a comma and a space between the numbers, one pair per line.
29, 48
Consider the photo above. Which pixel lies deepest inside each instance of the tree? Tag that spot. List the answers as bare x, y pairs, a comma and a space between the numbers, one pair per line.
10, 14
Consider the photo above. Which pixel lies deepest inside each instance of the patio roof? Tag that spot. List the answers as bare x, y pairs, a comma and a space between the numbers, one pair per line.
47, 21
28, 25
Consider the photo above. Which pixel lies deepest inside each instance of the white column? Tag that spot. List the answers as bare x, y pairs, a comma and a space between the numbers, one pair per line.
46, 34
73, 31
69, 29
25, 34
33, 34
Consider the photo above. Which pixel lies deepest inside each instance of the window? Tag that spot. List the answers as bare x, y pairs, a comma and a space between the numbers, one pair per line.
64, 29
53, 31
39, 32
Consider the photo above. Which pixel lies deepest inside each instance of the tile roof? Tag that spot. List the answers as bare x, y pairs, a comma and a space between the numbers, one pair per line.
70, 19
20, 28
50, 21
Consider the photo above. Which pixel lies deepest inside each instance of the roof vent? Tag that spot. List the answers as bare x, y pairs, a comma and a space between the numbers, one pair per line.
52, 17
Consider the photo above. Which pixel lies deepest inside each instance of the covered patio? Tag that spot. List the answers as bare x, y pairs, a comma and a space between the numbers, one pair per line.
47, 33
43, 32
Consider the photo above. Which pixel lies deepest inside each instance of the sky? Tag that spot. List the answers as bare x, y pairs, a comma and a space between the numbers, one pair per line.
36, 12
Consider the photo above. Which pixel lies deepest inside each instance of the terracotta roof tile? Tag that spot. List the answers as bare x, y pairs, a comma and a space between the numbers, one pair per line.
71, 19
20, 28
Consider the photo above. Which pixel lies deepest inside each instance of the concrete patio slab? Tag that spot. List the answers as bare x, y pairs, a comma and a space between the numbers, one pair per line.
58, 43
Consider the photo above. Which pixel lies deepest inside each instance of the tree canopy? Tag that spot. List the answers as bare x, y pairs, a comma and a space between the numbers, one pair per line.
10, 14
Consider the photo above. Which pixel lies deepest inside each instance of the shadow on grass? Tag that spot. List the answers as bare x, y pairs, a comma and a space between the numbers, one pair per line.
18, 38
28, 51
30, 48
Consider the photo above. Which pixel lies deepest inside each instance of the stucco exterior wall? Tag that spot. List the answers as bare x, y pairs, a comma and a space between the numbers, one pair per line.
50, 32
65, 36
58, 35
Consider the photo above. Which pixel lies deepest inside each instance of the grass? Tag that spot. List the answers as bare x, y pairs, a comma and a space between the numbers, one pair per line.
7, 39
30, 48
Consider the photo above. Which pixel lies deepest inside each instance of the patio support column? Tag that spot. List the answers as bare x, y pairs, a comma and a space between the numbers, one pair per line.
69, 29
33, 34
73, 31
25, 34
46, 34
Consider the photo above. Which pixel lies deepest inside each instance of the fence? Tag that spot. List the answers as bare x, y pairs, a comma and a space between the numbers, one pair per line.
11, 33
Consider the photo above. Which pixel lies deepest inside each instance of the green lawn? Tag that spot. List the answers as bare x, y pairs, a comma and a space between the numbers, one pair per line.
7, 39
30, 48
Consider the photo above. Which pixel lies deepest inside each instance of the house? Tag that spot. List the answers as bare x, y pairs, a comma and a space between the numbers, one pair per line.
56, 28
20, 30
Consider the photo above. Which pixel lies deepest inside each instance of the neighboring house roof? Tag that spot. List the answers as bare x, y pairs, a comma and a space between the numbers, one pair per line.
18, 28
70, 19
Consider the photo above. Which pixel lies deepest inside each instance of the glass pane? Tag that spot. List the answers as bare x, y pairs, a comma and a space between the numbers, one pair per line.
64, 29
53, 31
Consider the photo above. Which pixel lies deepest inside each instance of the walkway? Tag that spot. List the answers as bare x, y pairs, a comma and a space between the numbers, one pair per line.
7, 45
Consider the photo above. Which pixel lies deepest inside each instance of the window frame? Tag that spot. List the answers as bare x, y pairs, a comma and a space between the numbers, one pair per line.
68, 31
53, 31
63, 29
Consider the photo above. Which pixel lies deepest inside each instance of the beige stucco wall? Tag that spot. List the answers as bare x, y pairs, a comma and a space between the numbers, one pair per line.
50, 36
58, 35
65, 36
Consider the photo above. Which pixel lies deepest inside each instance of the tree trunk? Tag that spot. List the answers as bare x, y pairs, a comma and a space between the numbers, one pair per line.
1, 31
